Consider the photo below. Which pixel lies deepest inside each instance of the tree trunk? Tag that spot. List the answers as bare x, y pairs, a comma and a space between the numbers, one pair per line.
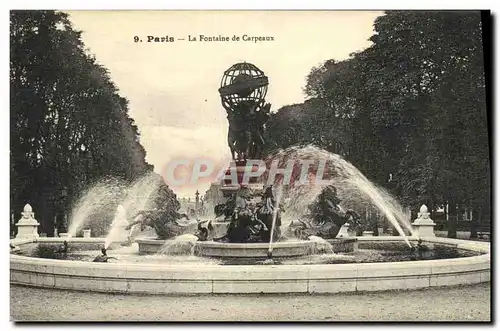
452, 220
12, 225
476, 220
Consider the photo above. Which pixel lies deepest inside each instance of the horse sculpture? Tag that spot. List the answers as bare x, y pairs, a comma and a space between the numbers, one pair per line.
325, 218
165, 228
250, 221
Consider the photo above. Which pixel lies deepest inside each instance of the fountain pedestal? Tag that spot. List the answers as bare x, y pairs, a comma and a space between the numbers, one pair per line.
237, 171
424, 225
27, 227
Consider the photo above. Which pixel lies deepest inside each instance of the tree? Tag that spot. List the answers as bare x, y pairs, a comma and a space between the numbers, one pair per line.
69, 126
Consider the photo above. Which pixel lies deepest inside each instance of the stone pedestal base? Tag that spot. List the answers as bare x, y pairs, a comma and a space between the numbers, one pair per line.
86, 233
234, 176
424, 229
367, 233
27, 229
424, 225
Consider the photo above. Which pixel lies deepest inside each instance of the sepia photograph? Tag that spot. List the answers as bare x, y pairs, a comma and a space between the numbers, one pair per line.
250, 165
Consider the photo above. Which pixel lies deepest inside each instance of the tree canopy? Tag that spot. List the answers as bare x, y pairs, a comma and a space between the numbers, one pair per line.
409, 111
69, 126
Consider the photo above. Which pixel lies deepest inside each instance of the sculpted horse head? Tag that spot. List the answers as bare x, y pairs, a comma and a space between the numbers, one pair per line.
325, 218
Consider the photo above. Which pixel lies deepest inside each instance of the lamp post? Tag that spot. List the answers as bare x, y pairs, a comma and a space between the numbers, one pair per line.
197, 203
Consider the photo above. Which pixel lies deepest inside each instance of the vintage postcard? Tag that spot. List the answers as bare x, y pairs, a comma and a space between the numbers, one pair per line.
323, 166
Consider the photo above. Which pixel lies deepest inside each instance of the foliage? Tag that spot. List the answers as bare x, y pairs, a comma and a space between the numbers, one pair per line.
69, 126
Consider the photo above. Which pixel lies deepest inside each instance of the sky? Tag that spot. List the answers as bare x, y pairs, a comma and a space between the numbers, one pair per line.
172, 87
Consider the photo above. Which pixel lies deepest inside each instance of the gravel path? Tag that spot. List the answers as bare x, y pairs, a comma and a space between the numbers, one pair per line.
466, 303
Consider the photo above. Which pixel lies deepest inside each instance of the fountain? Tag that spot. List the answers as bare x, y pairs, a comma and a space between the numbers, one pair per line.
253, 254
353, 188
96, 199
273, 225
251, 214
139, 194
322, 246
118, 231
433, 262
252, 211
180, 245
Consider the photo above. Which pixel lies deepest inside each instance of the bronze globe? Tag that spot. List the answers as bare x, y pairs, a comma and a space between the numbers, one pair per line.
243, 82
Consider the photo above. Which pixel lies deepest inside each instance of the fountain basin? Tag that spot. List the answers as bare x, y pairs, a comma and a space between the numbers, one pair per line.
240, 279
153, 246
244, 250
218, 249
92, 243
343, 245
253, 250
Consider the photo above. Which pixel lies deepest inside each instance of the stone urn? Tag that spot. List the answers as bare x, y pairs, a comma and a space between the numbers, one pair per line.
424, 225
27, 227
86, 233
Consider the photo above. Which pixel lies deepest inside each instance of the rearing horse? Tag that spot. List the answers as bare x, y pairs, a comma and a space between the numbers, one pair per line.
325, 218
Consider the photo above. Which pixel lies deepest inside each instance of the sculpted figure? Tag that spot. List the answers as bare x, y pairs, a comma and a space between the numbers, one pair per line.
246, 129
103, 257
241, 218
265, 213
166, 225
325, 217
63, 249
205, 232
250, 221
260, 118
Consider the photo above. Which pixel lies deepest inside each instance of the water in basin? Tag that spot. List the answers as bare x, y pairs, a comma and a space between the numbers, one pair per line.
367, 252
